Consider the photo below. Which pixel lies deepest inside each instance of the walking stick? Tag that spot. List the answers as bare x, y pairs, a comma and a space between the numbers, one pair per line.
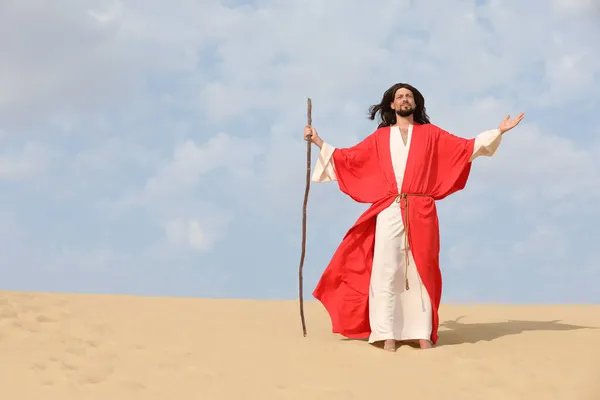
308, 162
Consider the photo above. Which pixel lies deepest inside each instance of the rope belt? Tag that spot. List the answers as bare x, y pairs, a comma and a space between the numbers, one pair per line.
404, 196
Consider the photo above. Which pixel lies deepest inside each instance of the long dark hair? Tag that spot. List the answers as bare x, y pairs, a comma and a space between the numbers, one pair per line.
387, 116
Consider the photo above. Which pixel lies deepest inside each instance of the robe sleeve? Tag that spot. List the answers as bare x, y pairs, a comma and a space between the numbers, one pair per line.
453, 162
486, 144
355, 168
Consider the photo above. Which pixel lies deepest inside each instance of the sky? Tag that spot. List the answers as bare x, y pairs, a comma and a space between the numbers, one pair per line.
155, 148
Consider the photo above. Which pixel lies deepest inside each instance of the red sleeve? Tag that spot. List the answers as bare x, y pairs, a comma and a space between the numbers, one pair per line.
453, 165
357, 170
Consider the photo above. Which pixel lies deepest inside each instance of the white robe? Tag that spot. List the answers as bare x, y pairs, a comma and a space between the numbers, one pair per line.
394, 312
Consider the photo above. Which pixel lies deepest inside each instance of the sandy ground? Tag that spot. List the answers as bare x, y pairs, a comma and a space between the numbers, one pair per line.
86, 347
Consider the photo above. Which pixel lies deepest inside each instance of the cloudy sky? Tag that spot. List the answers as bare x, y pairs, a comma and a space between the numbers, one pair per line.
155, 148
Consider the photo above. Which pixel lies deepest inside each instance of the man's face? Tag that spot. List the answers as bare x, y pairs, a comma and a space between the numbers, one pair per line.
404, 102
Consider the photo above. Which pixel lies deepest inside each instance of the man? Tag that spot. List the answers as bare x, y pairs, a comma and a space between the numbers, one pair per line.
384, 280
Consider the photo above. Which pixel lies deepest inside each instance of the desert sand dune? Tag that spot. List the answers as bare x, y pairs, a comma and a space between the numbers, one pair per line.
87, 347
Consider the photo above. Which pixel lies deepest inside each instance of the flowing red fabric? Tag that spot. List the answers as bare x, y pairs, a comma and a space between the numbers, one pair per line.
438, 165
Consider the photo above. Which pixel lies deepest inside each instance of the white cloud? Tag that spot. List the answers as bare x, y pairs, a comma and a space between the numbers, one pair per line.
576, 7
199, 228
79, 60
24, 163
545, 240
461, 255
179, 196
188, 234
111, 14
191, 161
534, 166
109, 155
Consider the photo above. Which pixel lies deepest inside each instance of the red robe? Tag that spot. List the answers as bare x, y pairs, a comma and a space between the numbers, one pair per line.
437, 165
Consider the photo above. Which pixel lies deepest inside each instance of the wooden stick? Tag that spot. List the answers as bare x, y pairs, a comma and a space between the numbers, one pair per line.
308, 162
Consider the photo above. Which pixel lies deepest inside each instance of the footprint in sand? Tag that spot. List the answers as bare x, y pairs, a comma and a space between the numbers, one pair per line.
38, 366
82, 361
27, 325
93, 343
42, 319
77, 347
8, 313
25, 316
47, 378
94, 374
132, 385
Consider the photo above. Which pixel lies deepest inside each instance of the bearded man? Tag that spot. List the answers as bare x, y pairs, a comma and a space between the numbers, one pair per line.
384, 281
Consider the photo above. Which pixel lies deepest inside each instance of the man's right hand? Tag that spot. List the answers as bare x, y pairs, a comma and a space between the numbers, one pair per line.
311, 134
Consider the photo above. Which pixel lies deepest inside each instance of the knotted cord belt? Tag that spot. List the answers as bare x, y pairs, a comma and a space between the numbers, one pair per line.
404, 196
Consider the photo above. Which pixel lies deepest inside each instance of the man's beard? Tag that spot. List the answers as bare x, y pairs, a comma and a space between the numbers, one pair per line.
405, 112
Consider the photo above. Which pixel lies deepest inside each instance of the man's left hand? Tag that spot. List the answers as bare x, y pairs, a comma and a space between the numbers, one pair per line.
507, 123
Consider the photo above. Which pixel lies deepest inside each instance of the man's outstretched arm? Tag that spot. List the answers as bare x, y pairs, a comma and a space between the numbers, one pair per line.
486, 143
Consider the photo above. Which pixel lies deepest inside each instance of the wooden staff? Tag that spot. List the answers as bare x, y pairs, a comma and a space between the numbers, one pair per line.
308, 162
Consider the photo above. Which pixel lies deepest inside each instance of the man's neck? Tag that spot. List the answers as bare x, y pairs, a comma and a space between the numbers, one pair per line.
404, 122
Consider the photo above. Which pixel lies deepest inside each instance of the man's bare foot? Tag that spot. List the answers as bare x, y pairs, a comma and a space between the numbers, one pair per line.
389, 345
418, 343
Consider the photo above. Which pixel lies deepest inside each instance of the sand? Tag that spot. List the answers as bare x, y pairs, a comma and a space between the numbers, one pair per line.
86, 347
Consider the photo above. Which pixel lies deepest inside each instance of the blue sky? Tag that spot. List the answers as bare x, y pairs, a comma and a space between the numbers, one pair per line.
156, 149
